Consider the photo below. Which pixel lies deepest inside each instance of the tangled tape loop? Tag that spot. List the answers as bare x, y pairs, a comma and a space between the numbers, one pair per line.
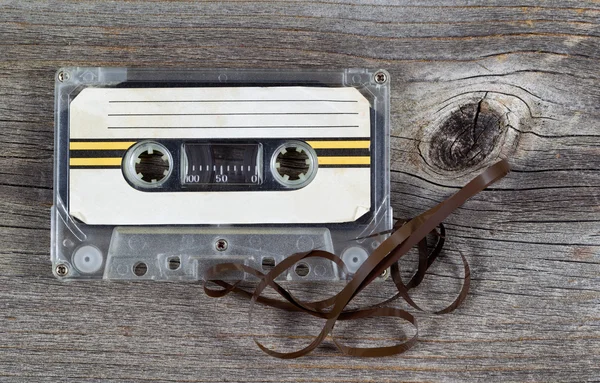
404, 236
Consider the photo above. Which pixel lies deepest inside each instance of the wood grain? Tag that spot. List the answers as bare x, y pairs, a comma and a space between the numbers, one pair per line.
529, 67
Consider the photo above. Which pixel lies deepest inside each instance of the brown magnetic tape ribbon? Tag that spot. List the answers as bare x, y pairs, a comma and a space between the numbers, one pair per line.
387, 255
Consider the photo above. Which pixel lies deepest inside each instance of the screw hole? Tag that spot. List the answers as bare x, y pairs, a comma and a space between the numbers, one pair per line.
140, 269
380, 77
174, 263
221, 245
302, 269
268, 263
62, 270
63, 76
355, 259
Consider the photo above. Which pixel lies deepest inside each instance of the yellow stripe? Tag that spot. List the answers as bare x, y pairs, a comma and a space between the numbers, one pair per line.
344, 160
95, 161
115, 145
339, 144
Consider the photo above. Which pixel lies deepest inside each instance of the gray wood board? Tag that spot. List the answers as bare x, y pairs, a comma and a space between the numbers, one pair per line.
472, 81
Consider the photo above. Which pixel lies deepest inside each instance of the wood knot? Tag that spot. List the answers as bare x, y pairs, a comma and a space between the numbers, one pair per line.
466, 137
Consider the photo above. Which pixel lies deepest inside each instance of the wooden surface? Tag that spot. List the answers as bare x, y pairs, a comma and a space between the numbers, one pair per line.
472, 80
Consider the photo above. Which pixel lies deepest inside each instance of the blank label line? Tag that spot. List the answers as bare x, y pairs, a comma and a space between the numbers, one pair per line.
155, 101
229, 114
236, 127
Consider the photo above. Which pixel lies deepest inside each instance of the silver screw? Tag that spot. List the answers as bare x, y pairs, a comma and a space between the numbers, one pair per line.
221, 245
380, 77
62, 270
385, 273
63, 76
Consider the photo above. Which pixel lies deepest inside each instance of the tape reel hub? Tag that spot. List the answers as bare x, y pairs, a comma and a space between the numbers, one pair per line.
148, 164
294, 164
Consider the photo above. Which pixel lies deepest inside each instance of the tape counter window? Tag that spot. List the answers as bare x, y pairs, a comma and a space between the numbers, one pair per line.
222, 162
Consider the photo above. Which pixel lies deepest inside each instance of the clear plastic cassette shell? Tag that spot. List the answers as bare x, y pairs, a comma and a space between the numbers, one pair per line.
184, 252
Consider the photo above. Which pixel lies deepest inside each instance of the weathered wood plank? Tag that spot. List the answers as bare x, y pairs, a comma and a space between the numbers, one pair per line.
528, 69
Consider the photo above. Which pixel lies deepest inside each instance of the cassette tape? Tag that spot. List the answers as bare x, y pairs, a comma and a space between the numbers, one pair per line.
161, 174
